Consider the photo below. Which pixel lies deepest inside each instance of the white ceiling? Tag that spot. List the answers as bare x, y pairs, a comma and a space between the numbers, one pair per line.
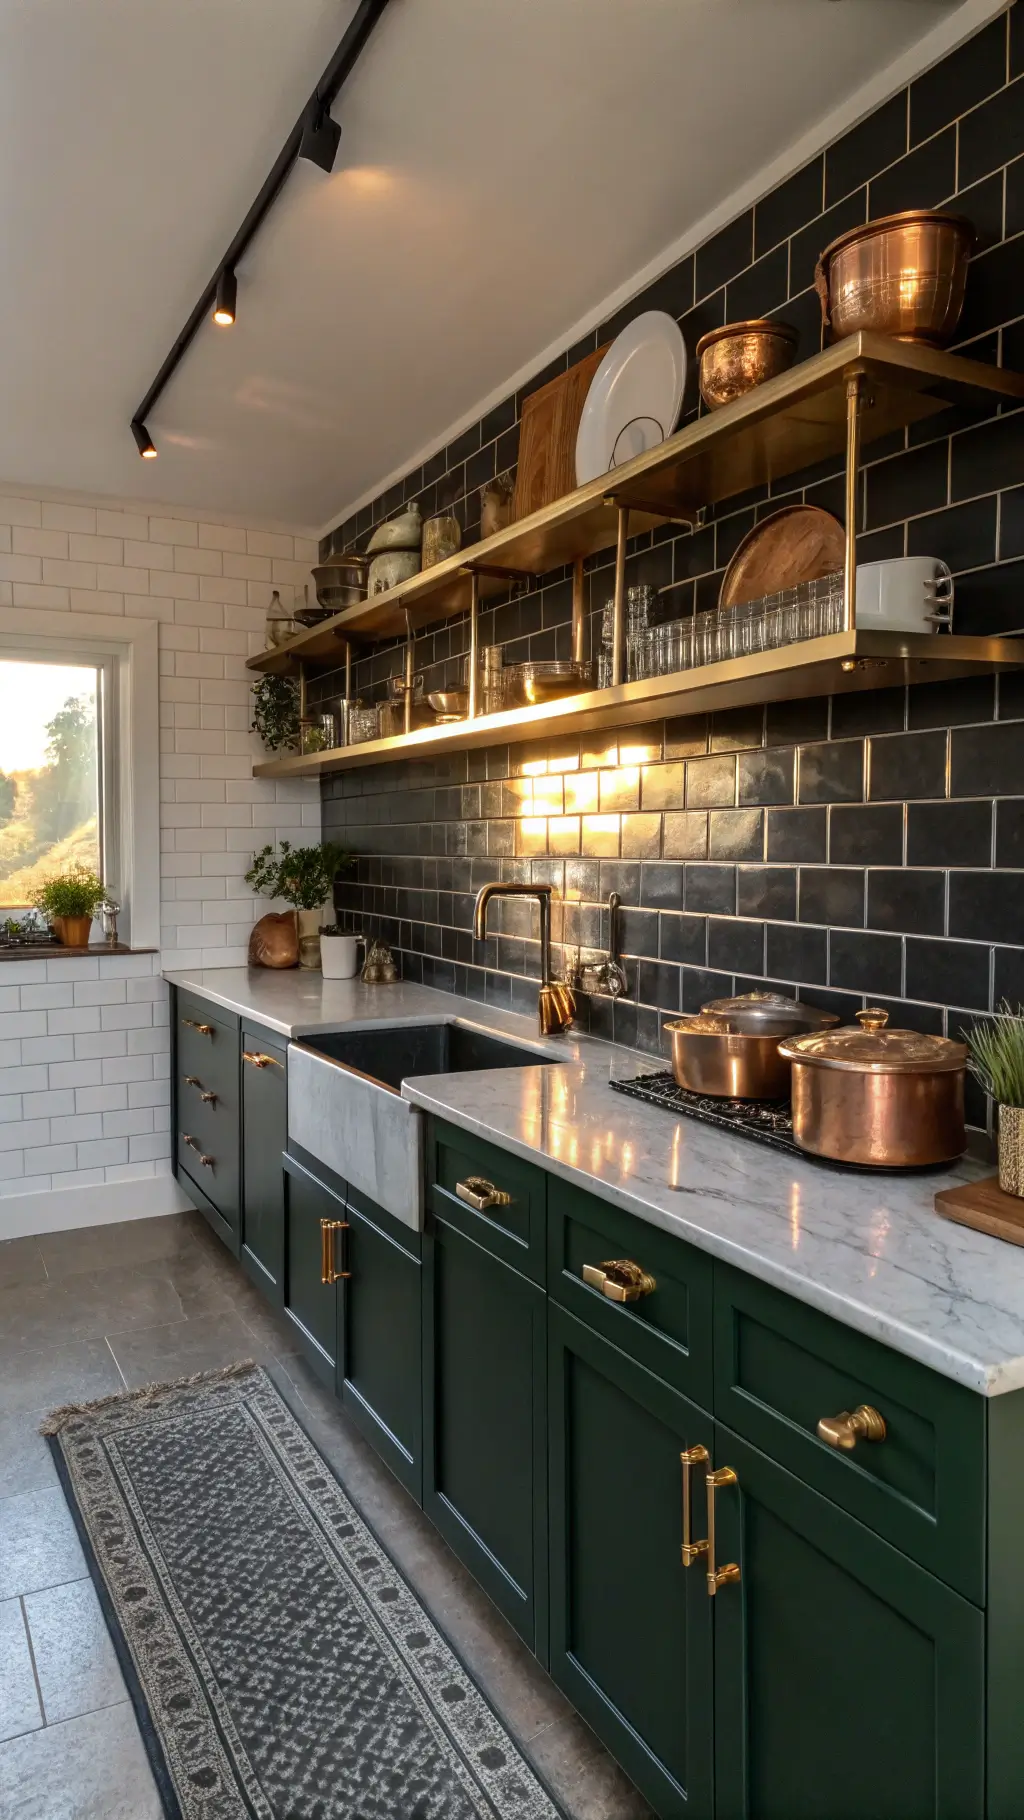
503, 167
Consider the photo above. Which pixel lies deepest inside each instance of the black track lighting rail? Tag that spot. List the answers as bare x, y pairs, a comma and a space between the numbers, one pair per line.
312, 131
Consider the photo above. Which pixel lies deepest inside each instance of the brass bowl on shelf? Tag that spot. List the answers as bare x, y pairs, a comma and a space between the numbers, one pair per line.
903, 275
449, 704
530, 685
742, 355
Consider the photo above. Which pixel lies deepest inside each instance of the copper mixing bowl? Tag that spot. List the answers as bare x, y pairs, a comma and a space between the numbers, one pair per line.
742, 355
903, 275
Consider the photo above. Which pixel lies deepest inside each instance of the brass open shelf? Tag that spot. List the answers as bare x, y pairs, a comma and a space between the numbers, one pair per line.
838, 664
789, 423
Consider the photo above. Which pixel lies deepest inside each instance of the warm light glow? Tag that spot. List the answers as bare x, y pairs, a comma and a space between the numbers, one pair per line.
224, 318
149, 454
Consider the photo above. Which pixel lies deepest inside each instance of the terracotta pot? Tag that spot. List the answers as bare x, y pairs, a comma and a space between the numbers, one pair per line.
307, 925
274, 941
73, 931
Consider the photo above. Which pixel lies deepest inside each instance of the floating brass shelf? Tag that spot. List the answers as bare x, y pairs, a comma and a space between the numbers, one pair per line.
788, 424
844, 662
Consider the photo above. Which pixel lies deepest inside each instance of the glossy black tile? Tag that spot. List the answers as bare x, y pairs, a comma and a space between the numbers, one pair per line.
949, 834
866, 835
622, 876
810, 242
725, 255
787, 207
991, 601
766, 777
795, 953
865, 963
992, 134
907, 899
790, 722
924, 177
1011, 525
1016, 40
831, 894
867, 149
711, 890
948, 973
684, 939
1008, 983
1010, 831
736, 834
916, 480
963, 536
988, 456
987, 761
987, 906
736, 729
906, 765
949, 704
969, 74
659, 985
710, 782
735, 946
868, 711
638, 932
762, 287
799, 835
766, 891
661, 886
831, 773
700, 986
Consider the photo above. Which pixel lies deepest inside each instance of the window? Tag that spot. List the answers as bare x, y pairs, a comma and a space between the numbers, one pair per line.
57, 805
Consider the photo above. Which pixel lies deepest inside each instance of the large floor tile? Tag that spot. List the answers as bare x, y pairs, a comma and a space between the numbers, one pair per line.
116, 1245
19, 1702
44, 1377
21, 1261
26, 1463
84, 1307
582, 1776
157, 1355
93, 1768
38, 1543
75, 1661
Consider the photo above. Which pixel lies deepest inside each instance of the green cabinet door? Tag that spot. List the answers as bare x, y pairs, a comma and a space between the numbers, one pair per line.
484, 1446
264, 1138
315, 1230
630, 1625
848, 1680
379, 1358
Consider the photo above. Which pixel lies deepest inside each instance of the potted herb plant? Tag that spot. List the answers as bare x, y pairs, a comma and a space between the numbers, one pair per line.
69, 902
996, 1059
303, 877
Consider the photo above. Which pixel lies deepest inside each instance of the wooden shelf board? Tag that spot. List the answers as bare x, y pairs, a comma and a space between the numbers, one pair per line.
788, 424
882, 660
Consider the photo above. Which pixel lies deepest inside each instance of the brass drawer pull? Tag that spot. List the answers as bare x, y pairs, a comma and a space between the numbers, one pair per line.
619, 1279
694, 1456
845, 1430
329, 1273
730, 1573
207, 1161
203, 1029
208, 1098
478, 1192
259, 1060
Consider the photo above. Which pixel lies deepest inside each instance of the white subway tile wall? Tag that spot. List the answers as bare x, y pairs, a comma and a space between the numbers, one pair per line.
84, 1046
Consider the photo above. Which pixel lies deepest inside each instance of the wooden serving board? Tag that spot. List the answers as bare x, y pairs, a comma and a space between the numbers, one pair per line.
797, 543
984, 1206
547, 437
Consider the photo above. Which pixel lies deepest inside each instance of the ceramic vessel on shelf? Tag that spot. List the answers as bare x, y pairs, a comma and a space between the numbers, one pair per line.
402, 533
902, 275
341, 582
339, 954
1011, 1149
634, 397
905, 594
442, 536
496, 504
742, 355
393, 566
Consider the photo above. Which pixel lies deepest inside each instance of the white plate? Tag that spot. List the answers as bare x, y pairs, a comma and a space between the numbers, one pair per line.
634, 396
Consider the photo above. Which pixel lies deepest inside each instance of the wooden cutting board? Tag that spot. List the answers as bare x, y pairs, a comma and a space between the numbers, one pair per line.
799, 543
547, 437
984, 1206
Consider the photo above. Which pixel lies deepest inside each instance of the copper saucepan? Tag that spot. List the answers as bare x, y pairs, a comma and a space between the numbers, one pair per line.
731, 1050
866, 1094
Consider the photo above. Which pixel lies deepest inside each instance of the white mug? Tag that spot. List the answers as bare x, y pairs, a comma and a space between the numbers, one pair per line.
339, 956
905, 594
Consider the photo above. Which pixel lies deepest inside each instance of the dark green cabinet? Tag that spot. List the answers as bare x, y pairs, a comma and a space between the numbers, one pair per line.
484, 1420
631, 1627
848, 1681
314, 1233
379, 1346
205, 1106
264, 1090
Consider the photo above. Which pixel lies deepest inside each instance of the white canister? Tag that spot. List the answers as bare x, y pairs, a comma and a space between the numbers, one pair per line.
904, 594
339, 956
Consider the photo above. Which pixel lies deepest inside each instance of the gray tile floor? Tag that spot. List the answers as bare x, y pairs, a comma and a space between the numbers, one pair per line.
86, 1313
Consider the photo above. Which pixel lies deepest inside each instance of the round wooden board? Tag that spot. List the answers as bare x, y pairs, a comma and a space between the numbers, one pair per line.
799, 543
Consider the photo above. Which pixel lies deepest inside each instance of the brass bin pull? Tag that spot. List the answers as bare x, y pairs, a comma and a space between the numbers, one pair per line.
192, 1080
203, 1029
329, 1273
730, 1573
845, 1430
478, 1192
207, 1161
259, 1060
620, 1280
693, 1456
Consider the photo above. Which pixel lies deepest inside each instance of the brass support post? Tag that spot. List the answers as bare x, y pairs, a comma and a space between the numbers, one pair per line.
577, 610
409, 670
302, 690
474, 645
619, 610
346, 706
854, 400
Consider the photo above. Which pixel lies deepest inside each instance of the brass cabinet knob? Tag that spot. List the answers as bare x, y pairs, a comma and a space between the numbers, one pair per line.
845, 1430
479, 1193
208, 1098
203, 1029
259, 1060
207, 1161
619, 1279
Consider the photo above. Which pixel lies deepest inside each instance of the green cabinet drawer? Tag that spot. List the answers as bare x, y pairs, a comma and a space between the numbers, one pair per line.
264, 1097
379, 1377
206, 1043
668, 1329
781, 1366
512, 1225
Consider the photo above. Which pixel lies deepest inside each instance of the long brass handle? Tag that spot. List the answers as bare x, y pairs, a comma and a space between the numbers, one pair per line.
208, 1098
207, 1161
619, 1279
845, 1430
730, 1573
259, 1060
693, 1456
479, 1193
329, 1273
203, 1029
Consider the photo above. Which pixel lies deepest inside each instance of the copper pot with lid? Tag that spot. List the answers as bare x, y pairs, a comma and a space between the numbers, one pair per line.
731, 1050
867, 1094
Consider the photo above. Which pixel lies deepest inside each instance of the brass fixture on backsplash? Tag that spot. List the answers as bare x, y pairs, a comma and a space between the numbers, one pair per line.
606, 976
556, 1006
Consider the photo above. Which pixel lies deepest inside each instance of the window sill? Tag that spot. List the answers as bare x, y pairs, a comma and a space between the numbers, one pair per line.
50, 951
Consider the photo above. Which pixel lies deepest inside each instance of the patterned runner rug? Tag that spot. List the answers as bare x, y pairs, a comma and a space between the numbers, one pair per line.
280, 1666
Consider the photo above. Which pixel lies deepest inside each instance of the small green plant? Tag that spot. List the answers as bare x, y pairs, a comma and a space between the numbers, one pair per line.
77, 892
303, 876
996, 1055
275, 712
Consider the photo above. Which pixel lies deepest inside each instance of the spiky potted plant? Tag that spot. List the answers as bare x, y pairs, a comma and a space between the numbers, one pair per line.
996, 1059
303, 877
69, 902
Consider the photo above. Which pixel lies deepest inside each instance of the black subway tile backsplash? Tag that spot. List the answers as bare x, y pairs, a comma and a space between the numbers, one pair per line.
955, 973
797, 835
832, 894
795, 953
964, 78
865, 835
993, 133
867, 149
787, 208
987, 761
832, 773
949, 834
907, 765
865, 963
907, 899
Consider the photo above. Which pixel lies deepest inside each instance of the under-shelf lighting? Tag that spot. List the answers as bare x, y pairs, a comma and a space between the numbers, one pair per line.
227, 297
143, 441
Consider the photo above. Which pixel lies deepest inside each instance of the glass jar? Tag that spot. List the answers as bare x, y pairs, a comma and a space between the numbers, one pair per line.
442, 536
362, 724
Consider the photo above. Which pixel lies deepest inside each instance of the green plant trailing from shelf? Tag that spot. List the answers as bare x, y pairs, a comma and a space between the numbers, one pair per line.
77, 892
996, 1055
275, 712
302, 876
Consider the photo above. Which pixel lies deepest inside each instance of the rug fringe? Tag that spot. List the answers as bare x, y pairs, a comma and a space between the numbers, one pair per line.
148, 1393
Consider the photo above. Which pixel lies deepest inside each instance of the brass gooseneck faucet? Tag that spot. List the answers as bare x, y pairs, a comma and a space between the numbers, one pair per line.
556, 1006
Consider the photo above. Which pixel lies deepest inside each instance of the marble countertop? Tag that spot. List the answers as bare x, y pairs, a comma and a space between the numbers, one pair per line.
869, 1250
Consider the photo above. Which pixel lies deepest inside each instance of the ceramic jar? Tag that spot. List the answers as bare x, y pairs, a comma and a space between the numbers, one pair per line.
307, 926
442, 536
402, 533
1011, 1149
393, 566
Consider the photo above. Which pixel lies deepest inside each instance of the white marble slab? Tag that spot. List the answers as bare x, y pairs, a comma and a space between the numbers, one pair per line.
365, 1132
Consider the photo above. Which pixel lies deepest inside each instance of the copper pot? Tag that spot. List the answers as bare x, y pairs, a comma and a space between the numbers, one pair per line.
867, 1094
731, 1050
742, 355
903, 275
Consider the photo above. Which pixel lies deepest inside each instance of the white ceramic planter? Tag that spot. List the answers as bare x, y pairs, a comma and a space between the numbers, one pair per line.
339, 956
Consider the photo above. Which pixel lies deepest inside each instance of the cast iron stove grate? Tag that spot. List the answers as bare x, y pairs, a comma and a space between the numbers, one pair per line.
763, 1121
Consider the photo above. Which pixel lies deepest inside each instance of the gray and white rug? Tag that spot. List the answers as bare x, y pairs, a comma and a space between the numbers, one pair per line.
281, 1667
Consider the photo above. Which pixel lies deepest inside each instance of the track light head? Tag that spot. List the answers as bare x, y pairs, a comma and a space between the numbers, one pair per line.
227, 296
320, 138
143, 441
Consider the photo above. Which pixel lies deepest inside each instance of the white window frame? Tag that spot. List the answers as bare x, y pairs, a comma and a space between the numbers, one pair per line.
127, 652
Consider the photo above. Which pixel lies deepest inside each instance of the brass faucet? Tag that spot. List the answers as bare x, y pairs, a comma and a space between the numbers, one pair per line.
556, 1006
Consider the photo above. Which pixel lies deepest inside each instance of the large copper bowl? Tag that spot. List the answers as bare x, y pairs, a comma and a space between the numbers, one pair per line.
903, 275
742, 355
